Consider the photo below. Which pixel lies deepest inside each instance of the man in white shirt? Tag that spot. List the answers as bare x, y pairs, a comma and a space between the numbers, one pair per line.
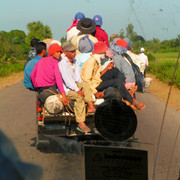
144, 61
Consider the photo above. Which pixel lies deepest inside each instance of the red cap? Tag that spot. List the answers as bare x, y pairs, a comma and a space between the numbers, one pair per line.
122, 43
100, 47
54, 48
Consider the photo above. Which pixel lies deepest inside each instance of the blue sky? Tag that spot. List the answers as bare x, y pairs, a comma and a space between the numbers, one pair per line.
155, 18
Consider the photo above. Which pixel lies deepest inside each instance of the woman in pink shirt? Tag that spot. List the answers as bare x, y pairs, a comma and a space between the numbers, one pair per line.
46, 72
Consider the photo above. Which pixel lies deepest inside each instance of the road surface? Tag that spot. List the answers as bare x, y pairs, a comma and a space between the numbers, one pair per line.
17, 121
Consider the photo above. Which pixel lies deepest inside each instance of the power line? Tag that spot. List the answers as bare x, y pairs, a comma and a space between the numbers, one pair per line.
131, 5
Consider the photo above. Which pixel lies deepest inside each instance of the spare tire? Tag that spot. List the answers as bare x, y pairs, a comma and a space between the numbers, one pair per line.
115, 120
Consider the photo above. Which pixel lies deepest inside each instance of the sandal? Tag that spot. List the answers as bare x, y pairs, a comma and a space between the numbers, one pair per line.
133, 90
133, 106
91, 112
83, 128
141, 106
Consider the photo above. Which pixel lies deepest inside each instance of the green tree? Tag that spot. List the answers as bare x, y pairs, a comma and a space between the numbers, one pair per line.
121, 34
38, 30
16, 37
153, 45
12, 45
62, 40
139, 38
4, 47
130, 32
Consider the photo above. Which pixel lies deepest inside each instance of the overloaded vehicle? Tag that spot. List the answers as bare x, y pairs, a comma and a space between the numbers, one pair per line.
113, 121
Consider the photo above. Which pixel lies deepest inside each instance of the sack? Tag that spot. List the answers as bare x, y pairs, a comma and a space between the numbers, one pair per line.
148, 82
138, 74
85, 44
43, 95
53, 105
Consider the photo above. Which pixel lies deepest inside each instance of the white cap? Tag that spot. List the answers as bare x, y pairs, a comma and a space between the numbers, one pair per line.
55, 41
142, 49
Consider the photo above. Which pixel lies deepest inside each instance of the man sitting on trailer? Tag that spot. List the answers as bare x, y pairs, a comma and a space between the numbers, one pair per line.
74, 88
45, 74
40, 48
99, 80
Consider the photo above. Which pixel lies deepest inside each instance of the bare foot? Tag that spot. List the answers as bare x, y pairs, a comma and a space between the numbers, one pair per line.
133, 90
138, 105
91, 107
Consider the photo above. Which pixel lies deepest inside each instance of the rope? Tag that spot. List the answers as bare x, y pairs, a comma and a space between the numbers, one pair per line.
44, 114
58, 95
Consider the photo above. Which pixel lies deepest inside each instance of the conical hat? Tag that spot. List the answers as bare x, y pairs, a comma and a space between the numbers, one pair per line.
48, 40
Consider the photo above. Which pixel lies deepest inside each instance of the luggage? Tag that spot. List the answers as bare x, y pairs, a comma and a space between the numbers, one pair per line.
138, 74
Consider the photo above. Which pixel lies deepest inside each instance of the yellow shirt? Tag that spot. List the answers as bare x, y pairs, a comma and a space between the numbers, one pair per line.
90, 73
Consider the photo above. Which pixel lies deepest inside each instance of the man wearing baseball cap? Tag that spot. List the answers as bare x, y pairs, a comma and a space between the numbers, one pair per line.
100, 34
144, 61
72, 30
46, 73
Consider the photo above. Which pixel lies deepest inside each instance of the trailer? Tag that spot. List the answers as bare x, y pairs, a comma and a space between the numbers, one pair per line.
113, 121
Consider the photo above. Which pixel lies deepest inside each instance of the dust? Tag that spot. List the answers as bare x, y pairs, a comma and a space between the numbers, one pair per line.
161, 90
12, 79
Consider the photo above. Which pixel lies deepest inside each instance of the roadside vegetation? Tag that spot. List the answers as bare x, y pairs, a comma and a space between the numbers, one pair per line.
8, 68
15, 46
162, 55
163, 67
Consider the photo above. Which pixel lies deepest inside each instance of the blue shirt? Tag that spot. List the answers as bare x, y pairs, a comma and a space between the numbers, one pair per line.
82, 58
28, 70
69, 76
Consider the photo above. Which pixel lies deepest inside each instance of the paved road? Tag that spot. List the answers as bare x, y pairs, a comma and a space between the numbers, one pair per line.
17, 121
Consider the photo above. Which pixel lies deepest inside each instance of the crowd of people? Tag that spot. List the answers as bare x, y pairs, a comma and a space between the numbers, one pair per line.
87, 68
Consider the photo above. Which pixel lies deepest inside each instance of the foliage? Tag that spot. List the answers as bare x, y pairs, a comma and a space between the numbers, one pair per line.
153, 46
62, 40
122, 34
15, 45
163, 68
12, 45
166, 56
8, 68
37, 30
150, 56
130, 32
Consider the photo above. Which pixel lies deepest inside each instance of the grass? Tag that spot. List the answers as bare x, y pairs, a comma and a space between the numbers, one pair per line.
163, 68
8, 68
166, 56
